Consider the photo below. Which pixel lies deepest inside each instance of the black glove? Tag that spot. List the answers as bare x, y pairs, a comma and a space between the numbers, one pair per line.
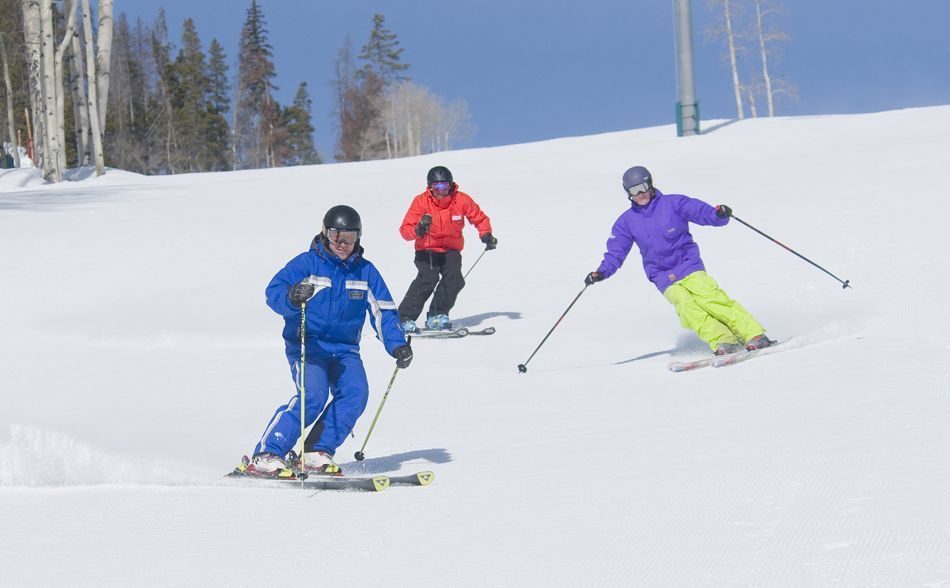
489, 241
403, 355
593, 278
723, 211
423, 227
302, 292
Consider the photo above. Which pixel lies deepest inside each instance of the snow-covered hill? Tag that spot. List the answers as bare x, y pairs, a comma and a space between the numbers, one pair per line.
138, 361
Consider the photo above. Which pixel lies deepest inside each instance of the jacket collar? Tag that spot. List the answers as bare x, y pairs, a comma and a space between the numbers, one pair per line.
445, 201
649, 205
319, 247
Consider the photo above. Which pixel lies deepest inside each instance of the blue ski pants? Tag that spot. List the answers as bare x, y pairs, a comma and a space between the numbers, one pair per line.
344, 377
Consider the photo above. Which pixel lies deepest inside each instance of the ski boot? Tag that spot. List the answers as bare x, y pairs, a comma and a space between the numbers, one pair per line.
320, 463
409, 327
728, 348
439, 322
758, 342
264, 465
315, 462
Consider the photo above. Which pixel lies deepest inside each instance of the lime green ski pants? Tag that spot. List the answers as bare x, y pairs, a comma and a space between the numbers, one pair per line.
704, 308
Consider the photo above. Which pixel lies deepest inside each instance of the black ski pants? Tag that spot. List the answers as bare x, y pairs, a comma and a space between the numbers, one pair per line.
431, 267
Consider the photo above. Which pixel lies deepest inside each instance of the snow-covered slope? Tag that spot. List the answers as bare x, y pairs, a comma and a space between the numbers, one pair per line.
138, 361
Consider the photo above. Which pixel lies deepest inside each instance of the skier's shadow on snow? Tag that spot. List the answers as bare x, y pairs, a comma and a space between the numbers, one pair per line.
646, 356
392, 463
477, 319
686, 344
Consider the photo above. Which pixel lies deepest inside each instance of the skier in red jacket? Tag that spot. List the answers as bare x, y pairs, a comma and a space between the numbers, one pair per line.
434, 221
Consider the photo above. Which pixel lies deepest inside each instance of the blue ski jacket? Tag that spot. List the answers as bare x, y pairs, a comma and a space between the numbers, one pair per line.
346, 290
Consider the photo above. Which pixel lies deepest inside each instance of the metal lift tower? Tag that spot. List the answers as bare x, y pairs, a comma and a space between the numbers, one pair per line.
687, 109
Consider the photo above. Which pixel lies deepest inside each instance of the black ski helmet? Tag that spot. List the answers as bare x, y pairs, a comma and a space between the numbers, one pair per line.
635, 176
439, 173
343, 218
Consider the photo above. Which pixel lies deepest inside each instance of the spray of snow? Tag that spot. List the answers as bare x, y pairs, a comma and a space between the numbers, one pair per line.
38, 457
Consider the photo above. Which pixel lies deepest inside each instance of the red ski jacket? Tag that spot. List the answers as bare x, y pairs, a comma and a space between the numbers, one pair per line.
448, 218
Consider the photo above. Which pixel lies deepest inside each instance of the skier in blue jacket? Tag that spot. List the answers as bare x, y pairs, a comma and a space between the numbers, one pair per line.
339, 287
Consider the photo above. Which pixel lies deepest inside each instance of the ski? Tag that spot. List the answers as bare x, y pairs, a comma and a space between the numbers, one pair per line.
439, 333
416, 479
719, 360
686, 366
450, 333
485, 331
292, 478
734, 358
317, 482
367, 484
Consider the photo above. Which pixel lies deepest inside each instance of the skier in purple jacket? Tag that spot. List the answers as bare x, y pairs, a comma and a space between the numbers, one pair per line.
659, 224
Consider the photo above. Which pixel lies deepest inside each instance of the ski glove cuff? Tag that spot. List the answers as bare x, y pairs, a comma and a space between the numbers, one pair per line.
593, 278
723, 211
490, 241
403, 355
302, 292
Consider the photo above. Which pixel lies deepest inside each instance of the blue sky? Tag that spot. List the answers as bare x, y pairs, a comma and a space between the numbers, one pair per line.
533, 70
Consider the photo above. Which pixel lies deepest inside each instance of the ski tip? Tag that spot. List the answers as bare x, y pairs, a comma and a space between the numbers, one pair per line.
425, 478
380, 483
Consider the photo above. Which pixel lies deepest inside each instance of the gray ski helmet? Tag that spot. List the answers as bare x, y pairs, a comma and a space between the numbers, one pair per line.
439, 173
636, 175
343, 218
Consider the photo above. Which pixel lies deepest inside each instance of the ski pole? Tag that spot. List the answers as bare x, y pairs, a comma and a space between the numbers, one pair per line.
359, 454
474, 264
844, 283
303, 390
523, 367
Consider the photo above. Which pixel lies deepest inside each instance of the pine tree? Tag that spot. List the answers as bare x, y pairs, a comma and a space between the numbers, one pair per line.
218, 70
382, 53
125, 139
218, 134
257, 129
163, 158
149, 127
297, 121
188, 88
361, 95
344, 83
200, 129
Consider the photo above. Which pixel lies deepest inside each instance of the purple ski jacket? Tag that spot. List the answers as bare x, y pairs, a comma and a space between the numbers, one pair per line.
661, 231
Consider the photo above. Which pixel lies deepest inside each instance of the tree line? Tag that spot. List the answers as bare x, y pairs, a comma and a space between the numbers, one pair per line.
81, 89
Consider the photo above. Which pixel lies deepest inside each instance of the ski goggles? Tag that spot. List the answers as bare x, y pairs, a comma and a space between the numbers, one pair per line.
638, 189
338, 237
441, 186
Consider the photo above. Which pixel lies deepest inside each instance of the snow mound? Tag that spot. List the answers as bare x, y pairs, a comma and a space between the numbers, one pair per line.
36, 457
79, 174
20, 178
